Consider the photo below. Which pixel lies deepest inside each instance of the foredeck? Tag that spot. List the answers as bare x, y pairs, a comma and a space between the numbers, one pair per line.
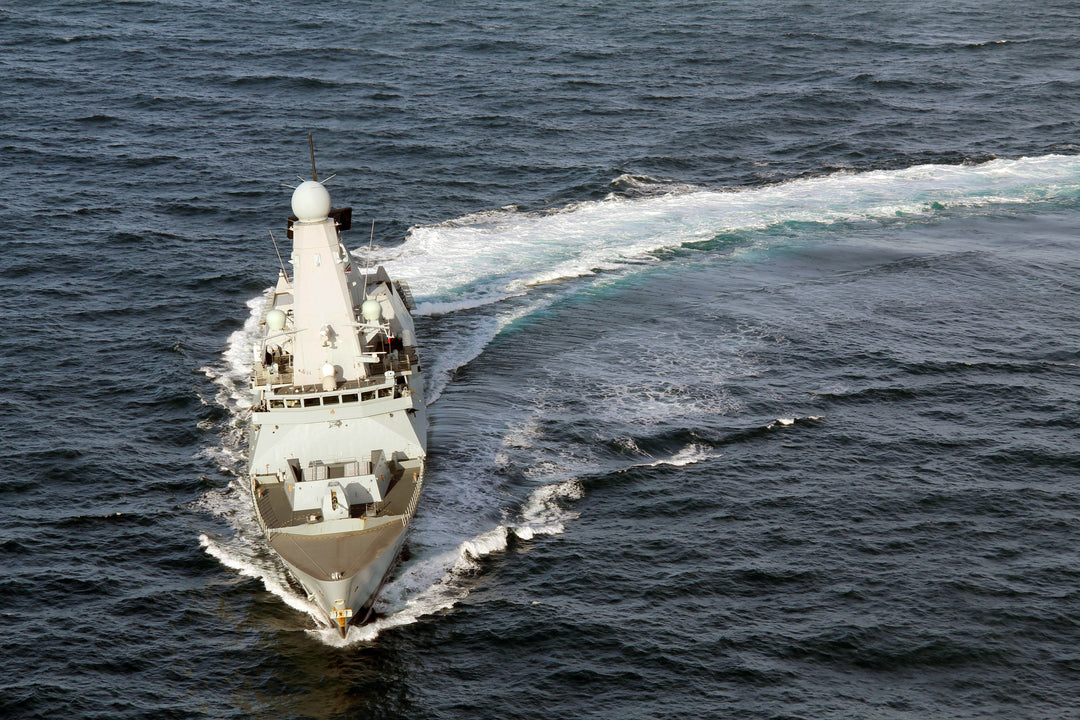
273, 505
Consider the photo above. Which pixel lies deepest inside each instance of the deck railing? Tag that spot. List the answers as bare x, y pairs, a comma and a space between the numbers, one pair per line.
415, 497
282, 382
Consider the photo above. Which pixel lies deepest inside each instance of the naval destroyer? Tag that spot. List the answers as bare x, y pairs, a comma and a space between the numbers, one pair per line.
338, 435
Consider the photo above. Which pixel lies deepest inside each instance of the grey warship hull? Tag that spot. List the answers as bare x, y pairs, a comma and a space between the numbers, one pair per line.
338, 425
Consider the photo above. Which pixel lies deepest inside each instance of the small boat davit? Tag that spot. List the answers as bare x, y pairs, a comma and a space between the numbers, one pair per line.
338, 435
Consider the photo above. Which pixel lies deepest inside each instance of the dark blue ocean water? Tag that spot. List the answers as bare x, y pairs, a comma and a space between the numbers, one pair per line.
750, 328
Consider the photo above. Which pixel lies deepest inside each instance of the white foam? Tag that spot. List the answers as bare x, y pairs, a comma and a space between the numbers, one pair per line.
274, 582
789, 421
487, 257
689, 455
543, 512
438, 576
458, 346
432, 308
464, 342
232, 376
422, 587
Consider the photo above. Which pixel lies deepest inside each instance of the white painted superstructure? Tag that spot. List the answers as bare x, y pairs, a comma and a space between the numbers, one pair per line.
338, 428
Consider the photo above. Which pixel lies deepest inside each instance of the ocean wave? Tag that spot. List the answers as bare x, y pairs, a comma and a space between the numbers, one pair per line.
689, 455
789, 421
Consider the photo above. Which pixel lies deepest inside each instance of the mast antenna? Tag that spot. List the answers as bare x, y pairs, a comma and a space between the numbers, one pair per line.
311, 145
283, 270
367, 269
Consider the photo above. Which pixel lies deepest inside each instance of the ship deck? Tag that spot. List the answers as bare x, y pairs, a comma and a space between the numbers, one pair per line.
275, 510
336, 554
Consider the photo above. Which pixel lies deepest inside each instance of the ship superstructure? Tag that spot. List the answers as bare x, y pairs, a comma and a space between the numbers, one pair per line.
338, 424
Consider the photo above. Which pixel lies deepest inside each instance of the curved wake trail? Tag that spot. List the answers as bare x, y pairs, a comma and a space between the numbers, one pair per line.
488, 257
459, 270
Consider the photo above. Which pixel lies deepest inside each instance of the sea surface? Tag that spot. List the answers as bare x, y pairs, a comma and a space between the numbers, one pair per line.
750, 329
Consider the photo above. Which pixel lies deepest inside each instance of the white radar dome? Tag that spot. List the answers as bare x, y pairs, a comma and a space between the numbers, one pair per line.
329, 381
275, 320
371, 310
310, 201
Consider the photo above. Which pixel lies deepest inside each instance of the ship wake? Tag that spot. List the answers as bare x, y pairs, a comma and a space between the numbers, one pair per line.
483, 274
442, 567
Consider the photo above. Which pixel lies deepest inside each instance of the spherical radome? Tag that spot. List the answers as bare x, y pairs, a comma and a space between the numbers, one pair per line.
310, 201
371, 310
275, 320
